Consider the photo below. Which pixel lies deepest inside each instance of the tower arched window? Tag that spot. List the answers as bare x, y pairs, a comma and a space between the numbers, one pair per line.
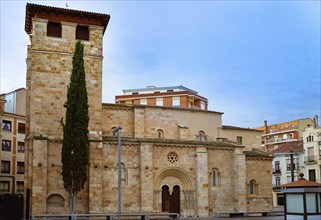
160, 134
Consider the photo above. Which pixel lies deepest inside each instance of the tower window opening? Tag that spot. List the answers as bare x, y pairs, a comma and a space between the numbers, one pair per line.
160, 134
54, 29
82, 32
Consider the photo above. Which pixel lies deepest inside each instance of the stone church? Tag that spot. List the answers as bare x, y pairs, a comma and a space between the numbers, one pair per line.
165, 168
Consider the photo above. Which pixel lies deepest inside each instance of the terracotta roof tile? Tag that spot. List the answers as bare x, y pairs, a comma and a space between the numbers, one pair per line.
68, 15
301, 183
257, 153
295, 146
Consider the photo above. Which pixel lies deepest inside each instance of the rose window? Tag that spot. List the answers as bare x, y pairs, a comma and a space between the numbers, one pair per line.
172, 157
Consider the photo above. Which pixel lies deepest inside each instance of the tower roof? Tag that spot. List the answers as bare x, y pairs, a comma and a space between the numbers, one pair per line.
63, 14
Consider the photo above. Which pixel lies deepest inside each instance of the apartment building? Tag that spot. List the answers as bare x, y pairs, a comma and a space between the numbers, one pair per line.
172, 96
281, 167
276, 135
12, 135
312, 153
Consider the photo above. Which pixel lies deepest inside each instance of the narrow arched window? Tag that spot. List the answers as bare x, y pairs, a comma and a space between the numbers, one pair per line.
123, 172
201, 136
215, 177
123, 178
112, 131
252, 187
160, 134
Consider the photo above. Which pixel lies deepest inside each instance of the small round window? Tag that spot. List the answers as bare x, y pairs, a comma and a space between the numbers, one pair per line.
172, 157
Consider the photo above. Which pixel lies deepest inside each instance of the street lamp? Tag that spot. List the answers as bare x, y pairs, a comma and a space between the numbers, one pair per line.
118, 130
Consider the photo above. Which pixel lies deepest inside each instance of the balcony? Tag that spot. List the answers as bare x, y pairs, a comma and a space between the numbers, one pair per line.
276, 186
279, 140
310, 159
281, 130
276, 171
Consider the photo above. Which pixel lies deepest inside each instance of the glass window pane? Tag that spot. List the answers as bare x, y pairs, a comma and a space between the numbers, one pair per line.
319, 202
176, 102
159, 101
143, 101
294, 203
311, 203
214, 178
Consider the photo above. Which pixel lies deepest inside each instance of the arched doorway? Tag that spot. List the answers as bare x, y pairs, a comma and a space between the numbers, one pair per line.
174, 191
165, 199
171, 201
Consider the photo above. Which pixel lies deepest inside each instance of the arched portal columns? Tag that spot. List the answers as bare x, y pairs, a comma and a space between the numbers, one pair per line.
188, 202
176, 176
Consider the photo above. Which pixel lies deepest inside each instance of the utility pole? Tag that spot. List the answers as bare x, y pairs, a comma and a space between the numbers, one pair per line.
119, 169
292, 166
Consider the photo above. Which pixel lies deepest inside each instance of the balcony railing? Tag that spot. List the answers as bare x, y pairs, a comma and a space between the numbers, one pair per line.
276, 186
272, 141
283, 129
310, 159
276, 170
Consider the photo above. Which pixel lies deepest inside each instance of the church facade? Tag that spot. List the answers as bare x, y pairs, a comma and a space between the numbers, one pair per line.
173, 159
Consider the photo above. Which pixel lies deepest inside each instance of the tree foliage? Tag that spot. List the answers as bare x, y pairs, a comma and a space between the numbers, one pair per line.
74, 154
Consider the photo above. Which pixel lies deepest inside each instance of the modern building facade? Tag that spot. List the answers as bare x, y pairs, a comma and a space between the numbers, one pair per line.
276, 135
312, 153
12, 135
172, 96
173, 159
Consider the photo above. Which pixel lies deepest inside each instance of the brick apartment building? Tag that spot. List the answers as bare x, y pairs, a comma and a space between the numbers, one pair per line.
12, 135
172, 96
276, 135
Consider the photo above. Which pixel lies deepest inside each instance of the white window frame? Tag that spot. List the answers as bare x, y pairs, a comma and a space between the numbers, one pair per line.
202, 105
143, 101
176, 102
159, 102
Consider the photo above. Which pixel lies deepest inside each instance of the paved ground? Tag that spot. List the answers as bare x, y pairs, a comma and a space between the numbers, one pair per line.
241, 218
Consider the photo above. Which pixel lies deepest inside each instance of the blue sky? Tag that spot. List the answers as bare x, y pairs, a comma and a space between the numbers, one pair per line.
253, 60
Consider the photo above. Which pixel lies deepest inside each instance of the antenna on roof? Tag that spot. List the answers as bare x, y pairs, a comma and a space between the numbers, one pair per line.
66, 5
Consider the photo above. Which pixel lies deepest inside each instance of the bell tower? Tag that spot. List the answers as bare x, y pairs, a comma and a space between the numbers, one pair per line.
53, 33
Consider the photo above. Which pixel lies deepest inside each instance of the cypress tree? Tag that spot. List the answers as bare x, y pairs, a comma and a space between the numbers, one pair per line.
74, 154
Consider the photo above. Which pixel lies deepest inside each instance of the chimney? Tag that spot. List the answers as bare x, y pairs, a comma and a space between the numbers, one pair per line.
265, 127
316, 121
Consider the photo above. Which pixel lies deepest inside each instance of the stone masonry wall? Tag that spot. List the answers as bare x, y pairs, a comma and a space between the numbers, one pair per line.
131, 181
115, 116
49, 65
259, 170
143, 122
221, 197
